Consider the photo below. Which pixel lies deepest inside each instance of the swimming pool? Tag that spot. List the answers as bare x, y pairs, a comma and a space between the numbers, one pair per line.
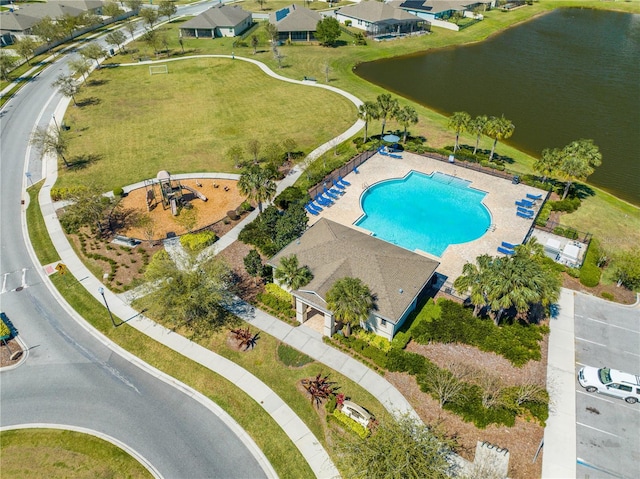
425, 212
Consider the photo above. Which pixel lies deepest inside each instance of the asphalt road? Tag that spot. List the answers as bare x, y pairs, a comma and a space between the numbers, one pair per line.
608, 442
70, 377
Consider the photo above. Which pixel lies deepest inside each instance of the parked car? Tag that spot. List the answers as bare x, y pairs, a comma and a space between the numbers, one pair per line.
610, 381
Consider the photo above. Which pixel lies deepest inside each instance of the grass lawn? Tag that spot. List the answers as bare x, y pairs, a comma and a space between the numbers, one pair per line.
133, 125
263, 361
55, 453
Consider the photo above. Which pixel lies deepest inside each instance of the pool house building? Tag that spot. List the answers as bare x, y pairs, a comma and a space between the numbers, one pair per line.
398, 278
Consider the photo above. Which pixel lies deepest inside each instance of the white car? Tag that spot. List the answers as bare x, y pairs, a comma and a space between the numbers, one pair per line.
610, 381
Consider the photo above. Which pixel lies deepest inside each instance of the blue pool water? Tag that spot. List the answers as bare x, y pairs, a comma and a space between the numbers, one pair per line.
426, 212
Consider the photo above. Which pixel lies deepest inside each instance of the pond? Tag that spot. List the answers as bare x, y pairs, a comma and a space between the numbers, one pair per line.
566, 75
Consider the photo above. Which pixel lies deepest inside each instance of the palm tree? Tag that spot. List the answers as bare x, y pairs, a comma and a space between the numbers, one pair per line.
367, 111
351, 301
477, 126
257, 183
578, 160
406, 116
498, 129
459, 122
291, 275
548, 163
473, 280
386, 108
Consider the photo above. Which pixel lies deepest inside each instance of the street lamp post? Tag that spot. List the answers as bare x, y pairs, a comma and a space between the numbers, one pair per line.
53, 117
101, 291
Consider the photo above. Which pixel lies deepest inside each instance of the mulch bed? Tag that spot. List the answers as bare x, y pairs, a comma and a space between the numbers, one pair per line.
6, 352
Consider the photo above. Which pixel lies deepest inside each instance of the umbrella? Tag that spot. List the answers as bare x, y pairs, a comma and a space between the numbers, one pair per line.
391, 138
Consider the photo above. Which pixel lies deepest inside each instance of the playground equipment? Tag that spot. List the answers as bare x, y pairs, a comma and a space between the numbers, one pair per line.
167, 191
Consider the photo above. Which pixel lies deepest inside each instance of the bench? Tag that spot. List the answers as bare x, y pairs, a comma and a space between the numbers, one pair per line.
309, 79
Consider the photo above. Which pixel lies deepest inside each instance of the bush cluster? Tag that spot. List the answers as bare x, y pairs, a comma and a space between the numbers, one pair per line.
567, 232
118, 192
276, 305
4, 329
196, 242
590, 272
64, 193
376, 355
275, 290
354, 426
456, 324
568, 205
543, 215
274, 229
290, 195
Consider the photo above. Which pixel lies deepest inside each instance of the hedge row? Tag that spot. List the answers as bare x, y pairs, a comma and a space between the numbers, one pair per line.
356, 427
456, 324
590, 272
277, 305
196, 242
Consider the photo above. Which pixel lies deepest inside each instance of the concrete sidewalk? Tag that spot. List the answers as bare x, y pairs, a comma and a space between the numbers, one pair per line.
559, 456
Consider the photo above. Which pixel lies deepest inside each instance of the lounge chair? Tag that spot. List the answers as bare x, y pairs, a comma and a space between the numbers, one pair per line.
315, 206
522, 209
338, 185
310, 210
328, 199
355, 170
508, 245
395, 156
330, 194
343, 181
505, 251
534, 197
524, 215
524, 203
323, 201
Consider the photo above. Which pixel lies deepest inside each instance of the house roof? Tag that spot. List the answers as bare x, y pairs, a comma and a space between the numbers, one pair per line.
81, 4
218, 16
376, 12
26, 15
333, 251
437, 6
295, 19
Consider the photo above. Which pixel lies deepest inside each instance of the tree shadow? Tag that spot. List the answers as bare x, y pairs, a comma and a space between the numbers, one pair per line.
90, 101
97, 82
581, 190
82, 161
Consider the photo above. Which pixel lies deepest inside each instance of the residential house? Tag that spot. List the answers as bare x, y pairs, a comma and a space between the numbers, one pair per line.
218, 21
378, 18
397, 277
295, 23
20, 18
435, 10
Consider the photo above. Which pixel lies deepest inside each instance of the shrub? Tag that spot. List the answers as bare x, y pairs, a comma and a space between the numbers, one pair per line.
568, 205
573, 272
275, 290
566, 232
4, 329
196, 242
291, 194
400, 340
294, 358
356, 427
331, 404
118, 192
607, 296
543, 215
589, 275
64, 193
277, 305
232, 215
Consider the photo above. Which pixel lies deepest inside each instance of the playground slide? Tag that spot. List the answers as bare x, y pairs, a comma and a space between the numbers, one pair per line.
174, 207
195, 192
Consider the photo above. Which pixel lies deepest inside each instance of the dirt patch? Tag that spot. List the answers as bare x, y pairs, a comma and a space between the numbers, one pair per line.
522, 439
12, 348
621, 295
220, 200
247, 286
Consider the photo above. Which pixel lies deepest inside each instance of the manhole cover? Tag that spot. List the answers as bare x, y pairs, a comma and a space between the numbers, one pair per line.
19, 288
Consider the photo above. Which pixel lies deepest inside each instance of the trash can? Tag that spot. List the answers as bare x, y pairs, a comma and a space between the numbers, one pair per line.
516, 180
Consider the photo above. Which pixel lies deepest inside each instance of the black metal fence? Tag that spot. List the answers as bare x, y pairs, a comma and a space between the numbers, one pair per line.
344, 170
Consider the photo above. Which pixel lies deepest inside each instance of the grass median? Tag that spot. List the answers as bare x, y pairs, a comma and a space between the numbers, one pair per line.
56, 453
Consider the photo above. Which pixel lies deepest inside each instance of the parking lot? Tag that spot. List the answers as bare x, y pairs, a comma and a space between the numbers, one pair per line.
607, 428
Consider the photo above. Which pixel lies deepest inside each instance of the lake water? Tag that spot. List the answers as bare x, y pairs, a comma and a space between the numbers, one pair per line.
570, 74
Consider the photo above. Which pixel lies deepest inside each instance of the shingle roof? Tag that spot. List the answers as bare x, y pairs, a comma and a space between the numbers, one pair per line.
333, 251
437, 6
375, 12
218, 16
298, 19
27, 14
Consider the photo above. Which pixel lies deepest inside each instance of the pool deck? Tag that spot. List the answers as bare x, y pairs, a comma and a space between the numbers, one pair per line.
500, 200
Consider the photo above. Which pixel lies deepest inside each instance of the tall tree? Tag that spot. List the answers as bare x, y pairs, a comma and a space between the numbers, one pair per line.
86, 208
406, 116
289, 144
328, 31
404, 449
387, 106
48, 30
7, 63
149, 16
253, 264
67, 86
51, 141
257, 183
25, 48
167, 8
69, 24
474, 281
94, 52
134, 5
253, 148
351, 301
477, 125
459, 122
195, 296
548, 163
367, 111
254, 43
80, 66
131, 26
291, 275
498, 129
116, 38
578, 160
272, 32
111, 9
235, 153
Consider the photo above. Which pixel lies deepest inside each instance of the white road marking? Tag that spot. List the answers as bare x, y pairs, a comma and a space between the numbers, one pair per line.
620, 402
592, 342
4, 283
596, 429
632, 354
614, 326
24, 277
